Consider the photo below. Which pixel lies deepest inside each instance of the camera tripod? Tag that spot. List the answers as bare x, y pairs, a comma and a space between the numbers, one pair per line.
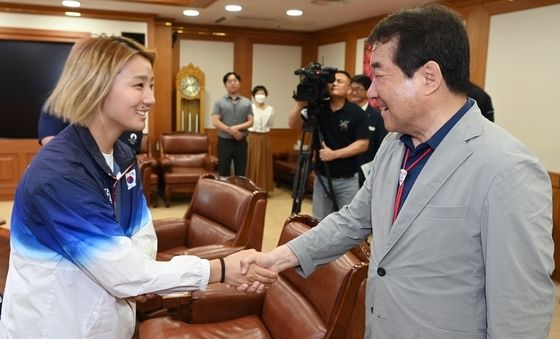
303, 165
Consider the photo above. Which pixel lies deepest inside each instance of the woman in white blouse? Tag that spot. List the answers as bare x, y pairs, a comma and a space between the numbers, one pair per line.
259, 157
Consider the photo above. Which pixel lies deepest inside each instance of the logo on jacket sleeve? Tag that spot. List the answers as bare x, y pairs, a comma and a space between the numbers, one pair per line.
130, 179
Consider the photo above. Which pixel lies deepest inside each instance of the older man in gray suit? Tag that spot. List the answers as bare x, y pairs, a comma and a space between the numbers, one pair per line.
459, 210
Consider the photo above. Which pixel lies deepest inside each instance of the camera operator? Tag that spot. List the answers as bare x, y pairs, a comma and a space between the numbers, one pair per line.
345, 131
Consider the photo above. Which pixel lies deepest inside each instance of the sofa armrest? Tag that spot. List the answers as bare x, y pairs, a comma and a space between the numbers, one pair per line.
210, 163
214, 251
165, 163
145, 164
176, 305
170, 232
177, 302
144, 160
219, 303
280, 156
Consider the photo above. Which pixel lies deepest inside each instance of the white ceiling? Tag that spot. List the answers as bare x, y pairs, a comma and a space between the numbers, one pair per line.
269, 14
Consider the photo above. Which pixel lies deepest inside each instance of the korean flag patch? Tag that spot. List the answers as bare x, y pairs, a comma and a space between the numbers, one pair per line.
130, 179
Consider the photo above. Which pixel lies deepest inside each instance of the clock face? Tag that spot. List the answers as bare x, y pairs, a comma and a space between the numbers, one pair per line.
190, 86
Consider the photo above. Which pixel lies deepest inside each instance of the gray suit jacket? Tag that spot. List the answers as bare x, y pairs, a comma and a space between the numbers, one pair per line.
470, 254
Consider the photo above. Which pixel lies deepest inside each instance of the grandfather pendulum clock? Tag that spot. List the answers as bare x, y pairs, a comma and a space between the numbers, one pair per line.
190, 99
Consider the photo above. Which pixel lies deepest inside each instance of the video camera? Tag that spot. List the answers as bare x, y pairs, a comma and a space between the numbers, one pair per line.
313, 81
313, 89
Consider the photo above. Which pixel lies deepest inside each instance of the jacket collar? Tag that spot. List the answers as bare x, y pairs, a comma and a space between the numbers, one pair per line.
122, 153
448, 156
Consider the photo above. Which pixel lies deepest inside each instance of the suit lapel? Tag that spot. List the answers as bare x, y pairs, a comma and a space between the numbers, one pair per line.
447, 157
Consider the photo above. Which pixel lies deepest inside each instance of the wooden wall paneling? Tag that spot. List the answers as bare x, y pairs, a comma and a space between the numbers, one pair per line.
478, 24
175, 67
161, 116
15, 156
350, 55
7, 33
555, 180
501, 7
243, 63
282, 140
309, 53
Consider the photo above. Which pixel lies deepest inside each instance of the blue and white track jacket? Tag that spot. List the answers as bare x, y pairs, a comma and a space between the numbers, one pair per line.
75, 261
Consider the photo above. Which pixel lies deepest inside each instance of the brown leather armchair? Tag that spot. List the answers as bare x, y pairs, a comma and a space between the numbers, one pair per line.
226, 214
184, 157
285, 169
148, 171
357, 328
319, 306
4, 256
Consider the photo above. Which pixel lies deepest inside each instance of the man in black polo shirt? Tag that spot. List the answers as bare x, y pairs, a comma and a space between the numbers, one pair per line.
345, 130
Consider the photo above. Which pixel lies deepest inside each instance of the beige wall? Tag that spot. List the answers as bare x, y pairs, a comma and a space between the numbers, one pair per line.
360, 55
273, 67
332, 55
523, 78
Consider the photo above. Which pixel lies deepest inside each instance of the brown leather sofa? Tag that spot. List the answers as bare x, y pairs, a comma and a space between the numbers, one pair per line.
284, 167
148, 171
184, 157
225, 215
357, 327
4, 256
319, 306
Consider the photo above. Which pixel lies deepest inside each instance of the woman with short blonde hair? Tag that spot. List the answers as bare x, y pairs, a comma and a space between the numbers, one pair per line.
83, 244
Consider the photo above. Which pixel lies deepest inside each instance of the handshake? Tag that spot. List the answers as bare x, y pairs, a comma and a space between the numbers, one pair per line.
251, 271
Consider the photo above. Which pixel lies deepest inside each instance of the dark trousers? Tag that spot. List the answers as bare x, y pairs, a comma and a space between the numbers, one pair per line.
231, 149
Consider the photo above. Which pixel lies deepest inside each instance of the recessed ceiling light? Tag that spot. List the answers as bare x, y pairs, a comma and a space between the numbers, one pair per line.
72, 13
71, 3
191, 12
294, 12
233, 8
